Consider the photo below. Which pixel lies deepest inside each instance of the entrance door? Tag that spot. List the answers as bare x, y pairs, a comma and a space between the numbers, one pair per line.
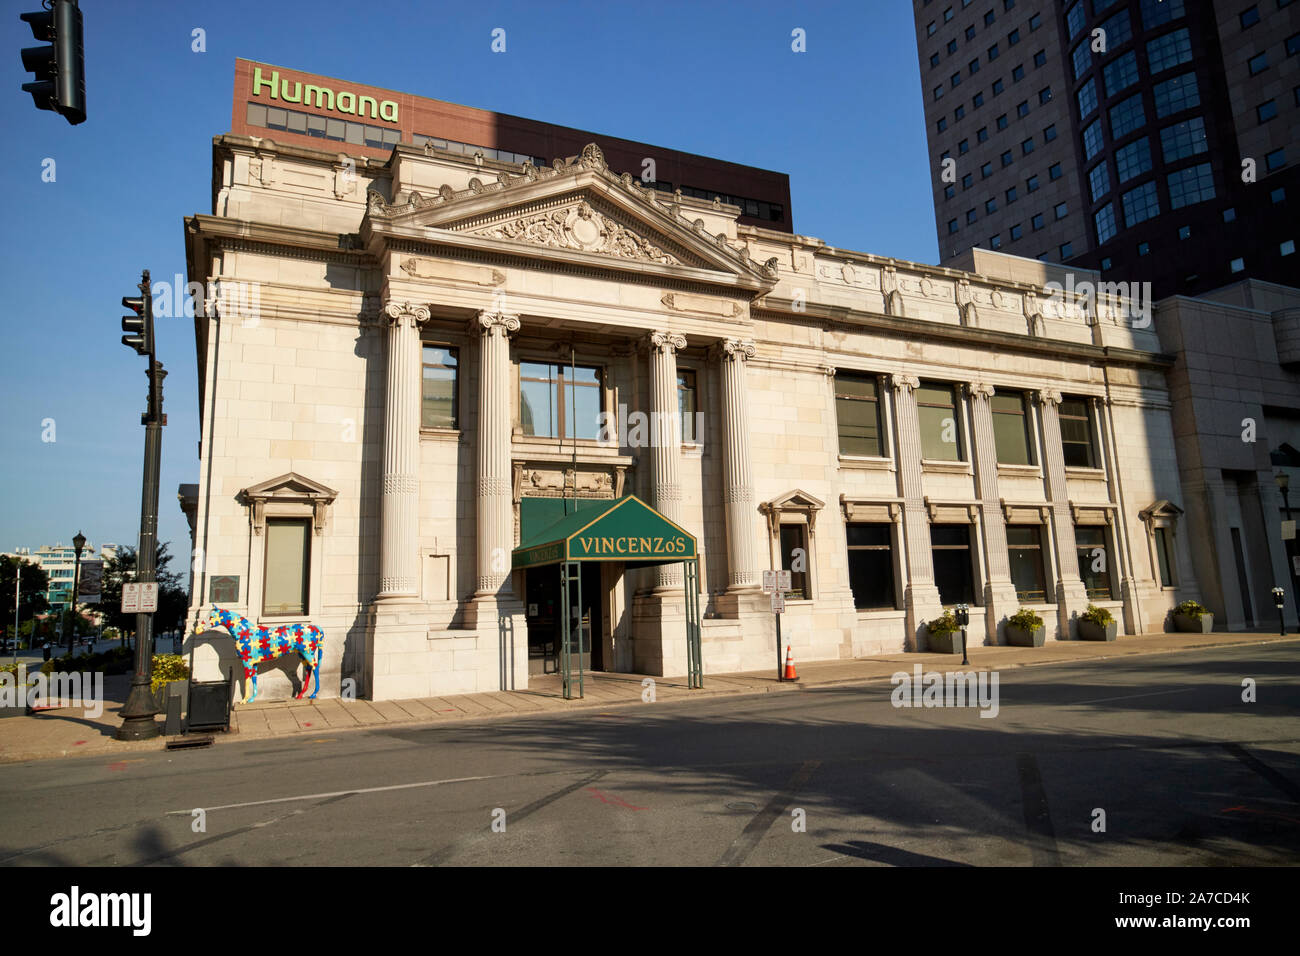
542, 590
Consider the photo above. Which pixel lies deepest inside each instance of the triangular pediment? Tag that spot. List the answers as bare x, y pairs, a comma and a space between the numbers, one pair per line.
796, 500
290, 486
578, 211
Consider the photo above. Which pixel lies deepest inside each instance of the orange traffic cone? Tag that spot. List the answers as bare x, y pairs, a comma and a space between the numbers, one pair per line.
789, 667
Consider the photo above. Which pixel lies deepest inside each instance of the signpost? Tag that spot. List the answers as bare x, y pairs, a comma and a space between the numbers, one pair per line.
140, 598
776, 583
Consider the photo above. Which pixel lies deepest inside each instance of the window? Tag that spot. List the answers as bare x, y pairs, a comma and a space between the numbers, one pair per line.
1040, 58
970, 34
1075, 18
1013, 38
949, 191
1035, 21
1121, 73
1266, 111
1275, 160
1249, 17
989, 18
1076, 433
857, 409
934, 60
959, 113
1007, 159
1011, 195
1025, 550
794, 537
1055, 171
1183, 139
1022, 109
937, 415
963, 147
998, 87
1066, 250
1277, 195
952, 227
1090, 543
947, 15
1140, 204
1293, 44
990, 205
1018, 73
1184, 232
971, 216
1126, 116
1002, 121
1017, 231
1087, 97
942, 124
951, 554
1287, 248
1164, 558
1081, 58
1144, 248
938, 92
952, 46
1049, 133
974, 66
1176, 95
439, 407
1061, 210
1011, 428
986, 171
982, 134
1157, 12
1229, 214
1169, 50
1092, 139
1105, 222
687, 403
1106, 263
1237, 265
967, 181
930, 28
977, 101
993, 52
1191, 185
1027, 146
1119, 30
1044, 96
1133, 160
955, 80
551, 394
1258, 63
1031, 184
288, 559
995, 242
871, 565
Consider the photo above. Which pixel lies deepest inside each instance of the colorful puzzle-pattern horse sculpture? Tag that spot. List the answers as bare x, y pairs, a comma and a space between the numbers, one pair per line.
267, 643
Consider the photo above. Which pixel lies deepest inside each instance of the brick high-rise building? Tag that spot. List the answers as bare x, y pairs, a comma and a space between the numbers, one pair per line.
1154, 140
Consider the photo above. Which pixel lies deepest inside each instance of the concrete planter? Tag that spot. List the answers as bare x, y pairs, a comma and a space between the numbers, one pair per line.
948, 642
1089, 631
1191, 625
1019, 637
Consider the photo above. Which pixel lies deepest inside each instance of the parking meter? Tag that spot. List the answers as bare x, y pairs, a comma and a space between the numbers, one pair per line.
963, 618
1279, 598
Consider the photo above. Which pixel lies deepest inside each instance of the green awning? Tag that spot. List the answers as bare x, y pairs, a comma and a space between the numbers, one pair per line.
627, 530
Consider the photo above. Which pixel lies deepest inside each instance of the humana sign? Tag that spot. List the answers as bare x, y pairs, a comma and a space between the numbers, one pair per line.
322, 97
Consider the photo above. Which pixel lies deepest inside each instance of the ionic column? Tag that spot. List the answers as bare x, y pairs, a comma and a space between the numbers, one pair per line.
738, 483
495, 512
399, 505
666, 437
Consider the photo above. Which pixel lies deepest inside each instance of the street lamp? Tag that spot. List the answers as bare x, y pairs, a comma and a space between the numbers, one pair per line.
78, 543
1279, 598
1283, 482
963, 618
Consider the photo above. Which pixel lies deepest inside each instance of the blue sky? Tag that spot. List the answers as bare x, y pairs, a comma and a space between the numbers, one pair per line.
844, 120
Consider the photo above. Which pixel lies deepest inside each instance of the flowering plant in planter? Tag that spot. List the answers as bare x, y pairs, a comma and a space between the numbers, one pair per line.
1025, 628
944, 625
1026, 619
1191, 609
1191, 616
1096, 615
1097, 624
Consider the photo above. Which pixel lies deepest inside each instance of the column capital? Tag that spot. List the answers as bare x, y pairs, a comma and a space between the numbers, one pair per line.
980, 390
493, 323
405, 314
1048, 396
734, 350
665, 341
903, 383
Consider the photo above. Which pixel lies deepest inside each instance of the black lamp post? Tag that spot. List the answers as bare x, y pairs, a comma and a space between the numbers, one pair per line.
78, 543
963, 618
1283, 481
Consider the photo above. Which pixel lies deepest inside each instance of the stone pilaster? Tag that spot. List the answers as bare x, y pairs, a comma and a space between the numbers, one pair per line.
666, 437
738, 486
399, 504
920, 597
1071, 596
999, 592
494, 511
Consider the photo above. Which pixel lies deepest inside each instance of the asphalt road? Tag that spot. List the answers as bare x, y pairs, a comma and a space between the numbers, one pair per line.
1187, 774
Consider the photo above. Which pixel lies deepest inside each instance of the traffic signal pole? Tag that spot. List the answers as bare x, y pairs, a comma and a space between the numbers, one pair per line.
138, 713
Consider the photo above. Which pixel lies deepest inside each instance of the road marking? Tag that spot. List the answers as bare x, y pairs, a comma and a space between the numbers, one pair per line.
744, 845
1285, 784
340, 793
1038, 820
513, 817
1158, 693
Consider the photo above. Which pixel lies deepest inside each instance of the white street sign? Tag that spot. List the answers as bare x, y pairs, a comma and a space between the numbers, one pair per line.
778, 602
140, 598
783, 580
769, 582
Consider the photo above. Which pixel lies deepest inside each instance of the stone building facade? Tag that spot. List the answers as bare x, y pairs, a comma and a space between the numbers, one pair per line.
407, 366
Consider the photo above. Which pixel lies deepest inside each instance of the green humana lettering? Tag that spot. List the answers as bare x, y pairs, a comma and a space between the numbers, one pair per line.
322, 97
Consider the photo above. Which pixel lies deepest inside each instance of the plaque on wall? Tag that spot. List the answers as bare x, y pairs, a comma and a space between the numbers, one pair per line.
224, 589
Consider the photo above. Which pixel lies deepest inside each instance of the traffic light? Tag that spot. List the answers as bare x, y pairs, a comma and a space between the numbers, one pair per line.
139, 327
59, 68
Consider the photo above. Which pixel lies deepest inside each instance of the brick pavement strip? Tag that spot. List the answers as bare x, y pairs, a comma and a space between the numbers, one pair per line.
68, 733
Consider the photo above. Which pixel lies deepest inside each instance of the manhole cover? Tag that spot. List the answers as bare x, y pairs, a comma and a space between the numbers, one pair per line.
742, 805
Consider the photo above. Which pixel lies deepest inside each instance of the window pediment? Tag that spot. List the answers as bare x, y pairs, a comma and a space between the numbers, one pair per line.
289, 495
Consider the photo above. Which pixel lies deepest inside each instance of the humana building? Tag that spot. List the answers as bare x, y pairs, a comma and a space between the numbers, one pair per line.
457, 368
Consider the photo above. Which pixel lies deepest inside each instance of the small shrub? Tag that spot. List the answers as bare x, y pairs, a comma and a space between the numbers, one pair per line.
1191, 609
168, 667
944, 625
1026, 619
1097, 615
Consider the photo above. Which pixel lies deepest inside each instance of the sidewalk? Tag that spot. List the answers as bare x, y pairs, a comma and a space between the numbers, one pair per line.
68, 732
